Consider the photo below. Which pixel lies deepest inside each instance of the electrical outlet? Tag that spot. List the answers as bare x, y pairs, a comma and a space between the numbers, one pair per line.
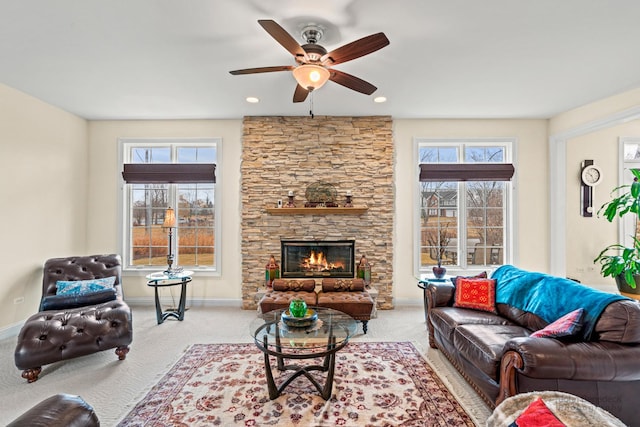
18, 300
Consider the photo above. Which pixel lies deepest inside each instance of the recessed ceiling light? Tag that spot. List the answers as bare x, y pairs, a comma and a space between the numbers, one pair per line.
380, 99
252, 100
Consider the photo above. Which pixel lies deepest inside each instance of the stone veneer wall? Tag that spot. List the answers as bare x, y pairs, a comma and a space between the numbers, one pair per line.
289, 153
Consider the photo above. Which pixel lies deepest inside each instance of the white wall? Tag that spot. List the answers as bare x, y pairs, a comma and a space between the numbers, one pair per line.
62, 187
43, 193
530, 184
532, 197
105, 181
590, 132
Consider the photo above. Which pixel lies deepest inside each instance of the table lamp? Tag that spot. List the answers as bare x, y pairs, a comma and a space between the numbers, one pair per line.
170, 223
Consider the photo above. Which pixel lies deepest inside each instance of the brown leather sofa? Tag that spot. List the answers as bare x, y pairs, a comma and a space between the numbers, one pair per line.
346, 295
77, 325
499, 359
60, 410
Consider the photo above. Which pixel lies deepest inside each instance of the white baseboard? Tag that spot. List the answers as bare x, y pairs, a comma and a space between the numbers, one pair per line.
11, 331
150, 302
407, 301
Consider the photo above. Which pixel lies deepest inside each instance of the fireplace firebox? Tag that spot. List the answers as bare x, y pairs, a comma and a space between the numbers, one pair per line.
318, 258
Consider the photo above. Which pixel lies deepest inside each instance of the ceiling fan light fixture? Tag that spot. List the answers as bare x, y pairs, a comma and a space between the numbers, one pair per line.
310, 76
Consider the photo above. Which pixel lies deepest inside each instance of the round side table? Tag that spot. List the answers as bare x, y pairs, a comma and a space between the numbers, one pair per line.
164, 279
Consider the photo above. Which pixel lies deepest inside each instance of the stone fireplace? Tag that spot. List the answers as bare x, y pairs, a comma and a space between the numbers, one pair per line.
290, 154
317, 259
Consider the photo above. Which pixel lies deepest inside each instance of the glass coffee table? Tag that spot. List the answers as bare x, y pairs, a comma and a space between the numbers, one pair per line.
321, 339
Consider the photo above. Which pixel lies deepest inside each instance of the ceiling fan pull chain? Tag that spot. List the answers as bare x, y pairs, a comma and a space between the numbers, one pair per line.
311, 104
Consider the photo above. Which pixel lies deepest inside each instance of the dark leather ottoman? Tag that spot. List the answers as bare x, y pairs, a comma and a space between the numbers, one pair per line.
348, 296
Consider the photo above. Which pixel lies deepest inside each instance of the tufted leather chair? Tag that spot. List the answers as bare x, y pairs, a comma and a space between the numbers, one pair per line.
79, 327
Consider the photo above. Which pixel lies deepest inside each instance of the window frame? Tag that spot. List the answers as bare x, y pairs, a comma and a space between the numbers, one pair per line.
124, 146
509, 145
626, 225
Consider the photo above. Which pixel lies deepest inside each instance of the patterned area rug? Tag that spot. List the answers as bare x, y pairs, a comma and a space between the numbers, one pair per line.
375, 384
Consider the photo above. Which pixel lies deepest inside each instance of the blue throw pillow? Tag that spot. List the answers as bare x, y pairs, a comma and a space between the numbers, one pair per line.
80, 287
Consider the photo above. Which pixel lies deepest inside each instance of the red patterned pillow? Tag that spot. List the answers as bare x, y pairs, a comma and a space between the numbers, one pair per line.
478, 294
537, 414
567, 325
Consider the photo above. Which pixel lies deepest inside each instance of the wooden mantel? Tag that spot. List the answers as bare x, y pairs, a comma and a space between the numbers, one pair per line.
356, 210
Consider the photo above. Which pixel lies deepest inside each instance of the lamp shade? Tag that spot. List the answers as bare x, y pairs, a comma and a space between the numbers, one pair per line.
169, 218
311, 76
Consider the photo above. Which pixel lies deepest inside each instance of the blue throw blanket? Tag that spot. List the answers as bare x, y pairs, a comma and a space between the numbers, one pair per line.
550, 297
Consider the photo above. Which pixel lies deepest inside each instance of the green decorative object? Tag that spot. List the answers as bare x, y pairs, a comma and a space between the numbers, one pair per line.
298, 308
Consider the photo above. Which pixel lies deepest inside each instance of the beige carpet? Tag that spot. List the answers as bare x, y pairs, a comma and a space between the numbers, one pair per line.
113, 387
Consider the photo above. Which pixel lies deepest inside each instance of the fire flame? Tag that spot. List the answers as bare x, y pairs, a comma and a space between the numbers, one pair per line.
318, 262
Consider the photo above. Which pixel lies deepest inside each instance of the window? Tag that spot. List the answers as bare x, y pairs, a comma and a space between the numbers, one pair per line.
145, 241
630, 149
463, 223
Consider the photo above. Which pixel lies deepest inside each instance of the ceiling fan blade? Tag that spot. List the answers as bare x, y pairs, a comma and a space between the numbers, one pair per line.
352, 82
300, 94
282, 37
262, 70
356, 49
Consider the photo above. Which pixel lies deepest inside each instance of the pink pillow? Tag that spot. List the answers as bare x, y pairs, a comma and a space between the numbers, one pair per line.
567, 325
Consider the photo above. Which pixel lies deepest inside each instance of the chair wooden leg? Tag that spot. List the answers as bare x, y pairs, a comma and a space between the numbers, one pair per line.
31, 374
122, 352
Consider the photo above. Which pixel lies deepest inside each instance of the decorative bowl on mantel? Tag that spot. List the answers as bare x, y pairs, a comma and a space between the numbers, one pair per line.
299, 322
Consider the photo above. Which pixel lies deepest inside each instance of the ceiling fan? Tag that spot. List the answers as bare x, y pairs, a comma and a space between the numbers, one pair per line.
314, 61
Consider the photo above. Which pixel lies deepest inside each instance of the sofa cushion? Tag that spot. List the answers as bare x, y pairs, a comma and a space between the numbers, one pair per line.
567, 325
447, 319
307, 285
550, 297
342, 285
619, 322
482, 275
60, 302
483, 345
520, 317
478, 294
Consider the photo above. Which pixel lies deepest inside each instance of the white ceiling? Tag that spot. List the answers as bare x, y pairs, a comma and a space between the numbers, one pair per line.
170, 59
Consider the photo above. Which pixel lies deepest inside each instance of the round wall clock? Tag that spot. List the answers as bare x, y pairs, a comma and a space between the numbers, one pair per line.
591, 175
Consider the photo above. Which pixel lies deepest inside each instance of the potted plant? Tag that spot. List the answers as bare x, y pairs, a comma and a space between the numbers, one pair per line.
440, 242
619, 261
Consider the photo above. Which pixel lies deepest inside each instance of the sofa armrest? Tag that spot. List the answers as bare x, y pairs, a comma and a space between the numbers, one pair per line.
439, 294
64, 410
436, 294
554, 359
